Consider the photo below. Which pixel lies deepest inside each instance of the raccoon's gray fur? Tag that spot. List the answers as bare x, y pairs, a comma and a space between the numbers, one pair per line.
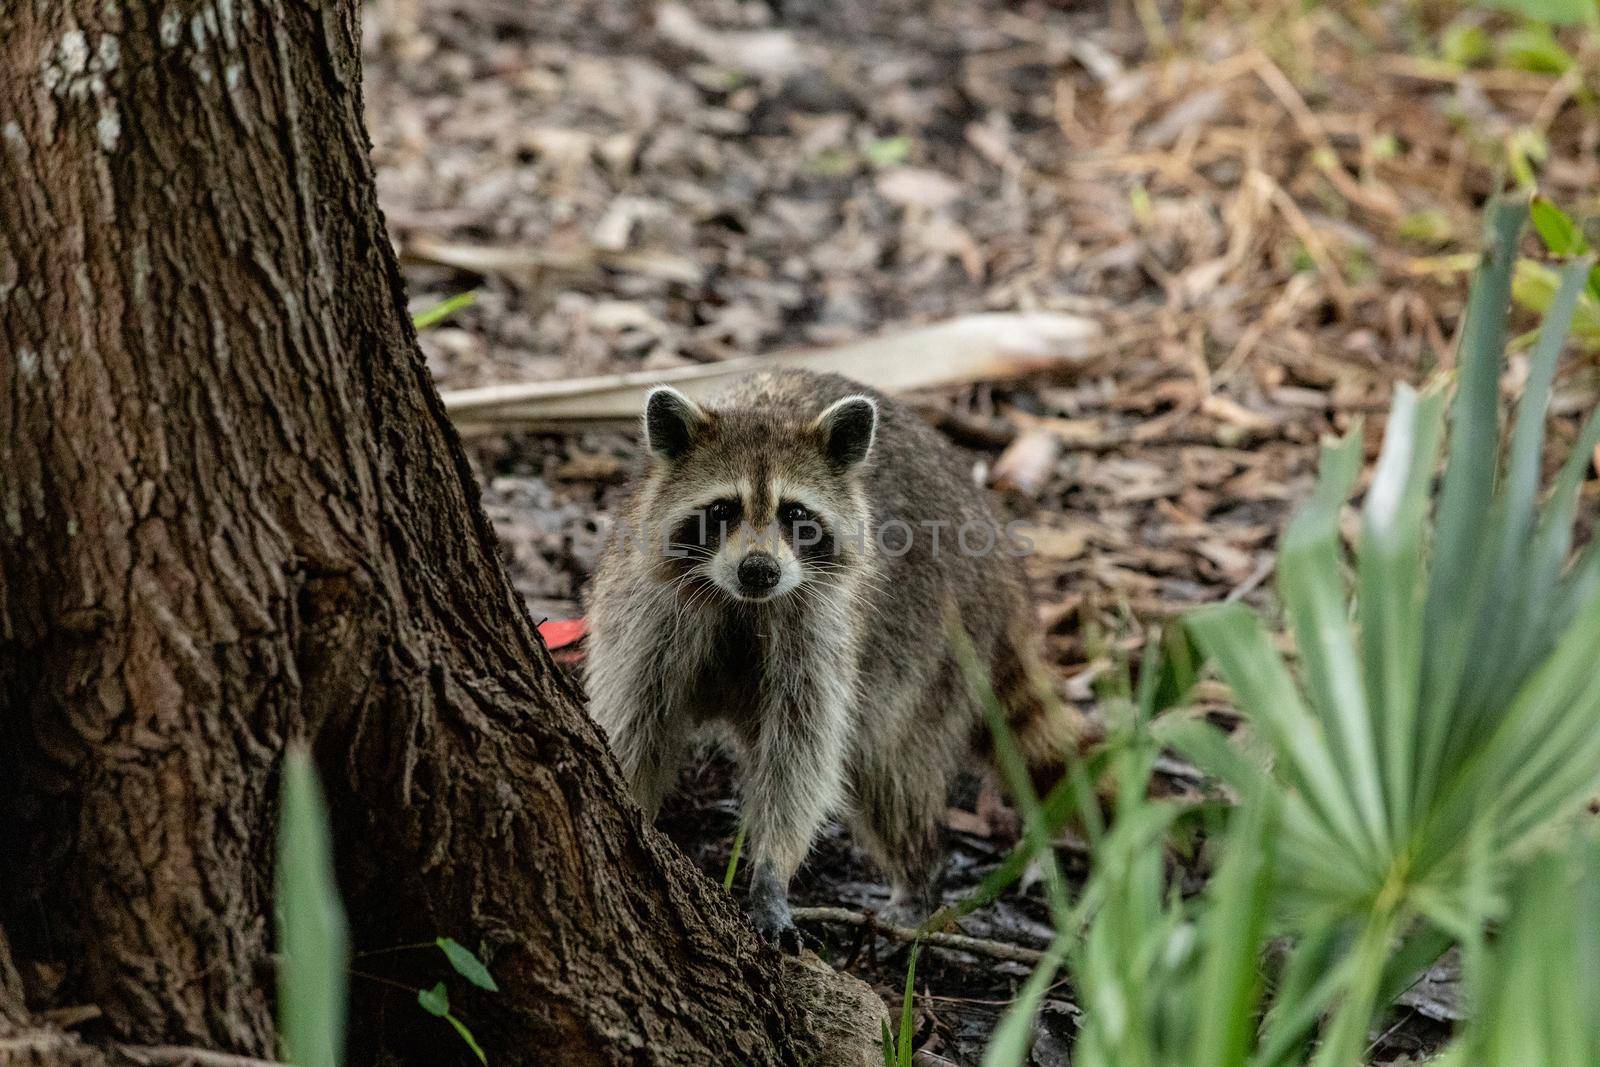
787, 619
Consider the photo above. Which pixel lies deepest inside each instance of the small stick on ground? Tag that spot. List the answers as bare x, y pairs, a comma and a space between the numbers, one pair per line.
1000, 950
186, 1056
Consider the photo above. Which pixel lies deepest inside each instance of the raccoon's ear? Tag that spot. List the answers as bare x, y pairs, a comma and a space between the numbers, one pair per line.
848, 427
670, 421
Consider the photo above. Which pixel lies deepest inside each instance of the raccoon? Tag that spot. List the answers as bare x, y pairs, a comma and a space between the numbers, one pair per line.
784, 576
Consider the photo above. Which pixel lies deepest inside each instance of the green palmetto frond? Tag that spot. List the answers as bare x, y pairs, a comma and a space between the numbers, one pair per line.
1537, 987
1443, 718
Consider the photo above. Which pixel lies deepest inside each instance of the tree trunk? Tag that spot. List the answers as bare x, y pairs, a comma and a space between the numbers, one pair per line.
234, 515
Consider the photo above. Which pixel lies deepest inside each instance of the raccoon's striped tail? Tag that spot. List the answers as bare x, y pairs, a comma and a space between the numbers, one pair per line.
1049, 731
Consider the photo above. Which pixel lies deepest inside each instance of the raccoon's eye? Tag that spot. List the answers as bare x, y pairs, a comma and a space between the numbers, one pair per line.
790, 513
723, 512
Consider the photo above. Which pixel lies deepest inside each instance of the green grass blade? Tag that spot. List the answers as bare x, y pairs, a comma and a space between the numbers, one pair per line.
1467, 493
312, 938
1580, 587
1553, 541
1151, 669
1417, 952
1487, 678
1303, 845
1121, 969
1059, 805
1009, 1045
1312, 978
1180, 669
1527, 435
1549, 711
1209, 749
1392, 592
1345, 1039
1560, 779
1534, 755
1312, 586
1232, 636
1545, 956
1475, 419
733, 858
466, 1035
1236, 920
1015, 771
431, 316
903, 1047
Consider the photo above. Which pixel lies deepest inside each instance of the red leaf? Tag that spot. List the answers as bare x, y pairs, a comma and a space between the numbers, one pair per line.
559, 633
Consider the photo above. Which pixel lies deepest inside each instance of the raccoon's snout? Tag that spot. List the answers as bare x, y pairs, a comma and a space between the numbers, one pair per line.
758, 574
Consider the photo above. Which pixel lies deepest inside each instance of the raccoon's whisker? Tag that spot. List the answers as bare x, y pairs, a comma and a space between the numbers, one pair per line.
809, 596
858, 581
819, 595
699, 595
861, 590
835, 567
707, 592
819, 600
665, 600
684, 593
702, 595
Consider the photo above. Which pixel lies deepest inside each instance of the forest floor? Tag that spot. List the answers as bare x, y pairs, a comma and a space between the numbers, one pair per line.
1271, 209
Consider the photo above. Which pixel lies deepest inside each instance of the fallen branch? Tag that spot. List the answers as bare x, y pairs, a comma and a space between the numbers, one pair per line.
986, 347
187, 1056
527, 265
1000, 950
49, 1045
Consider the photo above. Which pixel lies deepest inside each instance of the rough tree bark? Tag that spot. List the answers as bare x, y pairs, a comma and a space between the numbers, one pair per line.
233, 514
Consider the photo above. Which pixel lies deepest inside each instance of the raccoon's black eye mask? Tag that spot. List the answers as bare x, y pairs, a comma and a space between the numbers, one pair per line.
792, 512
806, 531
706, 527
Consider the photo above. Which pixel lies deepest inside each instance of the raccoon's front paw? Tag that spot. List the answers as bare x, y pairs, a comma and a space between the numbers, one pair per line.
769, 910
770, 916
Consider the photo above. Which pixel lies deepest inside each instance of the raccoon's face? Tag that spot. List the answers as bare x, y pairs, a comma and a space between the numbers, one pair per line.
757, 503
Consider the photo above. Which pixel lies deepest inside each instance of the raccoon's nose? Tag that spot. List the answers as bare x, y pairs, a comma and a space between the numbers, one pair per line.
758, 573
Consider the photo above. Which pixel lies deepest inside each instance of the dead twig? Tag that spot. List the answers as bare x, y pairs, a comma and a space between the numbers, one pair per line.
1000, 950
1380, 201
71, 1015
526, 265
179, 1055
1314, 245
1252, 582
45, 1042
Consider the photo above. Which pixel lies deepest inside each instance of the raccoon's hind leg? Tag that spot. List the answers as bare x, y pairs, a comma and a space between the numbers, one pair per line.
896, 820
